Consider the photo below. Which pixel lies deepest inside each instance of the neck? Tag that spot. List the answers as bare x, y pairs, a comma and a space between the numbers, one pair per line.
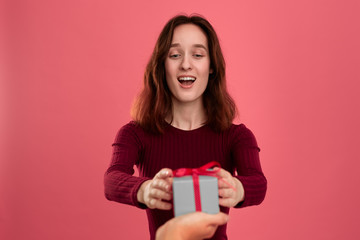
187, 116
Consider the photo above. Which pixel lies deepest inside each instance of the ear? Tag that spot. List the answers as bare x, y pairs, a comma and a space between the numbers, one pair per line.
211, 71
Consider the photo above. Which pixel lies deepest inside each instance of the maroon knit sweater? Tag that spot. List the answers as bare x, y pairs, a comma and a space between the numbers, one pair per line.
235, 149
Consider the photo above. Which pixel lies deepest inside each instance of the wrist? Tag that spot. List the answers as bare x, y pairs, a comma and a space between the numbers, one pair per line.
140, 193
240, 190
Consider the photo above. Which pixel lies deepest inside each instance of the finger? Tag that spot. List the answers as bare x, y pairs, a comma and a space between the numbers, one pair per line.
227, 183
221, 218
218, 219
226, 193
226, 202
161, 184
164, 205
158, 204
169, 180
222, 173
164, 173
213, 221
159, 194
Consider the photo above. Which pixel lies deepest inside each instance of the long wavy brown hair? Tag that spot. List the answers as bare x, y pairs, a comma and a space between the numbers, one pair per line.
154, 103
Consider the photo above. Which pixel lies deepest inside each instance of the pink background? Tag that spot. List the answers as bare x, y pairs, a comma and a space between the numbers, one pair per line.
70, 70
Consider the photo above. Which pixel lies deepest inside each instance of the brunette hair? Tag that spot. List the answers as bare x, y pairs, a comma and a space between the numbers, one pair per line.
154, 102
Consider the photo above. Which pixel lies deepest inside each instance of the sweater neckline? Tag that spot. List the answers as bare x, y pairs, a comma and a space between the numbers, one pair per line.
179, 130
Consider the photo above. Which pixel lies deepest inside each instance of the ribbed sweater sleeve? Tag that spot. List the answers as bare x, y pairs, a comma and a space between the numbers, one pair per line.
245, 154
120, 185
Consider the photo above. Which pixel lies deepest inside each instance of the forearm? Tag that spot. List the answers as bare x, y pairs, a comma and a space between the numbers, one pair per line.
122, 187
255, 187
249, 171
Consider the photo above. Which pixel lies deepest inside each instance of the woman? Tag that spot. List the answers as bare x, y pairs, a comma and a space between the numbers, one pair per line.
183, 118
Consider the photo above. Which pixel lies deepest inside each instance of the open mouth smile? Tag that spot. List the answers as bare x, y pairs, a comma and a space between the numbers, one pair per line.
186, 81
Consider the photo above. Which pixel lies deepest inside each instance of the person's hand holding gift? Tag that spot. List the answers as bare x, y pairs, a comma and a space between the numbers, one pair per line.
153, 192
191, 226
231, 190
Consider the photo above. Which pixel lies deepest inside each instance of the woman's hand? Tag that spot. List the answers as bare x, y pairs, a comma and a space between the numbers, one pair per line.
153, 192
192, 226
229, 196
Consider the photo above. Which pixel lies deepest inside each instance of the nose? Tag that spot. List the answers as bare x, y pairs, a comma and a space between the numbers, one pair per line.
186, 63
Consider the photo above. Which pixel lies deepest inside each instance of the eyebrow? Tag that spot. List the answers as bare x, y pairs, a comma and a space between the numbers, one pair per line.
195, 45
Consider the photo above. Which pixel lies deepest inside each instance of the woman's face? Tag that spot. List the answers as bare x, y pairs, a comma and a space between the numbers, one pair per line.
187, 65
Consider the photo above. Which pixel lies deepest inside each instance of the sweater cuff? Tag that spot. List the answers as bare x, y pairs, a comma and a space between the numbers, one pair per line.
135, 190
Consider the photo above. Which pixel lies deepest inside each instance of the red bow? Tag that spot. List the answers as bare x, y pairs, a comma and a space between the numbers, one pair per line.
203, 170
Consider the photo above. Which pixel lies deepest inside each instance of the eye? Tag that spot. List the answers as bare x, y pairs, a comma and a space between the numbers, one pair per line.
198, 55
175, 55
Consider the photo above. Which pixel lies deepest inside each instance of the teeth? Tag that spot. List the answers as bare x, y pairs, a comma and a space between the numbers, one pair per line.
187, 79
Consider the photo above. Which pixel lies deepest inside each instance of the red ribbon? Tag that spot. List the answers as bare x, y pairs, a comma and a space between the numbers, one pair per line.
203, 170
195, 173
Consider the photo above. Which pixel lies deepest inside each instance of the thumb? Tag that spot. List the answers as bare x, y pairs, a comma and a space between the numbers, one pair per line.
218, 219
164, 173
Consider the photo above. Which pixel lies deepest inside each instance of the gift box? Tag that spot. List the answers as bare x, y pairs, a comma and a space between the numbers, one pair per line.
195, 190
